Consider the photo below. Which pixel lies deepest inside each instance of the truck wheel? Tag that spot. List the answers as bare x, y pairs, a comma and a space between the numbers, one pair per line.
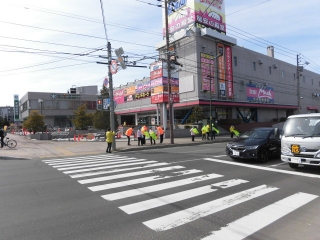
293, 165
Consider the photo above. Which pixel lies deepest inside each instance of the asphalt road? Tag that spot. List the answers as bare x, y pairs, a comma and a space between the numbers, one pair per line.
183, 192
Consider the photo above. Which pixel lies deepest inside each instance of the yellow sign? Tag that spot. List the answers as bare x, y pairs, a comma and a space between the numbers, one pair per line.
295, 149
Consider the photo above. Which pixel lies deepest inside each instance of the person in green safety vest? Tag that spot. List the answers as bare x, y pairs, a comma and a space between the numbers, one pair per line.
204, 132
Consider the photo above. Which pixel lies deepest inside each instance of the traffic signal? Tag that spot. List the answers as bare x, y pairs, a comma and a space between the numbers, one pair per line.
99, 104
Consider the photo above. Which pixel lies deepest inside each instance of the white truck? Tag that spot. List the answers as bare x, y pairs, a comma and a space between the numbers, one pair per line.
300, 141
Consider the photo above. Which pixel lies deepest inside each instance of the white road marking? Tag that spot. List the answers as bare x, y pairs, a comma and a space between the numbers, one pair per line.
86, 160
185, 216
159, 187
75, 158
117, 170
124, 175
248, 225
176, 197
93, 161
143, 180
101, 164
107, 167
264, 168
279, 164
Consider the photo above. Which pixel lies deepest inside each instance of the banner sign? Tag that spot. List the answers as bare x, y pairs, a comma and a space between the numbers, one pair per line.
16, 107
207, 71
221, 73
229, 75
261, 94
205, 13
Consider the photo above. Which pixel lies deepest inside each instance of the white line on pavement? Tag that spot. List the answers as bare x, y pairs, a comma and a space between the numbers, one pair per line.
264, 168
185, 216
248, 225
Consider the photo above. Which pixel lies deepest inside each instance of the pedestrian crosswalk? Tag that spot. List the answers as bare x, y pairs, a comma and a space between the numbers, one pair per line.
130, 178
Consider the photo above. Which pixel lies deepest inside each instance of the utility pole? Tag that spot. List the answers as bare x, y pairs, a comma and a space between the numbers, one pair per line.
112, 123
169, 72
298, 82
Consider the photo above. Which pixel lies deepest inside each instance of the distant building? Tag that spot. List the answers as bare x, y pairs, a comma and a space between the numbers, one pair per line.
58, 108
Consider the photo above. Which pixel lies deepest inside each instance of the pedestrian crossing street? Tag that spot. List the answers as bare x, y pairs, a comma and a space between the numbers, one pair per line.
129, 173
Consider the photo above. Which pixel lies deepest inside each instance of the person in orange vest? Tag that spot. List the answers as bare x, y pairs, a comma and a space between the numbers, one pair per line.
129, 133
160, 133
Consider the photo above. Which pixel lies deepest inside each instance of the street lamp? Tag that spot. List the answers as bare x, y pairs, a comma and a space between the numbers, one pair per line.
40, 100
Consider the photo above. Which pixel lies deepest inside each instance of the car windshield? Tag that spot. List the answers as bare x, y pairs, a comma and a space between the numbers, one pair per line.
302, 126
255, 133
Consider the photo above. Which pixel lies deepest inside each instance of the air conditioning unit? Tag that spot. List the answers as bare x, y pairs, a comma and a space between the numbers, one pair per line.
275, 66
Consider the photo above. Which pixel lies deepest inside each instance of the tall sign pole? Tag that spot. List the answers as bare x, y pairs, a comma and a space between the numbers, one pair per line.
169, 73
112, 123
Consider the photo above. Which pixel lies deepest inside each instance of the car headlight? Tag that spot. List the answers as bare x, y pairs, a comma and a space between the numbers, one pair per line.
317, 155
252, 147
228, 145
286, 151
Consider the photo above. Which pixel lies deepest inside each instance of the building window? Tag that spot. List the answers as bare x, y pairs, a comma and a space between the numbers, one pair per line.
241, 85
304, 79
269, 70
282, 73
254, 66
294, 76
319, 83
311, 81
235, 61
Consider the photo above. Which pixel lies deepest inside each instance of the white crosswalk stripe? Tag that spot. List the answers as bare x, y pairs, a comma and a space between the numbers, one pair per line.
155, 170
129, 171
153, 203
185, 216
159, 187
247, 225
143, 180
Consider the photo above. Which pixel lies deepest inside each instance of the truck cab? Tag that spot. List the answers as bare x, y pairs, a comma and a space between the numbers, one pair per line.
300, 141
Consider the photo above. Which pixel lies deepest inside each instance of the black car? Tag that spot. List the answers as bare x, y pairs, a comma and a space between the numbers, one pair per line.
257, 143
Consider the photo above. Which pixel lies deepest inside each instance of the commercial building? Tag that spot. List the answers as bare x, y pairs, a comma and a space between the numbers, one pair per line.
240, 84
58, 108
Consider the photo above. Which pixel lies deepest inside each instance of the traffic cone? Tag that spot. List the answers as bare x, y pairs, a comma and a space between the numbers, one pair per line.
79, 138
74, 138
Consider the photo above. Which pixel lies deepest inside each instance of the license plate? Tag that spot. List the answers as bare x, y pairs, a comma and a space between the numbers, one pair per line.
295, 148
295, 160
235, 153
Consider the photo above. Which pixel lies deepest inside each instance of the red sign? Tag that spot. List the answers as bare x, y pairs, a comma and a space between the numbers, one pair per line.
164, 98
113, 67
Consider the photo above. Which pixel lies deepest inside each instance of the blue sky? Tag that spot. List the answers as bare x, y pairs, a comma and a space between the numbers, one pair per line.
50, 46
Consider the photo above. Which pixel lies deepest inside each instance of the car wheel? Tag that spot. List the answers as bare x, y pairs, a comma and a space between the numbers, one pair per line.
293, 165
264, 156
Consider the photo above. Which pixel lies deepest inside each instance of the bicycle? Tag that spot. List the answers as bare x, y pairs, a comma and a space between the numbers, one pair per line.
9, 143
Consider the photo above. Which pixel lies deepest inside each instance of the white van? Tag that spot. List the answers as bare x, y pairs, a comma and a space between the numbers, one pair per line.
300, 141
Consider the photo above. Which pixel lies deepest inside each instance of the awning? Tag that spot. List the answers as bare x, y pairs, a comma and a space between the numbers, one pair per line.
312, 108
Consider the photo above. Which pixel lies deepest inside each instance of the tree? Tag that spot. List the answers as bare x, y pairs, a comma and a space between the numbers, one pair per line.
34, 122
196, 114
82, 119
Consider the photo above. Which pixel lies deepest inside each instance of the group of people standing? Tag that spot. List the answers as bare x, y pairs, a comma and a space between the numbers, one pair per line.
205, 131
144, 132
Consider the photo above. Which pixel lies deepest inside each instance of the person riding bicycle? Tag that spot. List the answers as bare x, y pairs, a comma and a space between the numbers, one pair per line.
2, 135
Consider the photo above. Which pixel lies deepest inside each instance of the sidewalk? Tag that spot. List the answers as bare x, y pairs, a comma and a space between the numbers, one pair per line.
34, 149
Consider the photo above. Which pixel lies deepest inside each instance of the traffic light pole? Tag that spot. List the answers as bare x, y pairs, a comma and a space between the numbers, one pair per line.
112, 123
171, 117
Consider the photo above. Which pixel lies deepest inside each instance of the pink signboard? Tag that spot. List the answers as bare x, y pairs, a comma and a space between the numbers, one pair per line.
207, 70
118, 96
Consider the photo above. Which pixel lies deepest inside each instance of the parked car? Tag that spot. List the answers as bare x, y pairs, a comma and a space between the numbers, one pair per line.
258, 144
